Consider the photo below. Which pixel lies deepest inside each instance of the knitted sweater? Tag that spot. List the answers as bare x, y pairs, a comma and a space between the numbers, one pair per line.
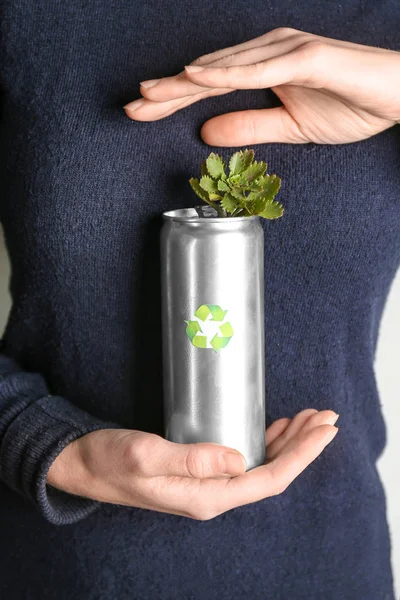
83, 188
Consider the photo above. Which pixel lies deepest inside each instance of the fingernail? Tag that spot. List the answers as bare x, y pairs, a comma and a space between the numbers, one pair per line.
332, 419
329, 437
193, 69
134, 105
150, 83
234, 463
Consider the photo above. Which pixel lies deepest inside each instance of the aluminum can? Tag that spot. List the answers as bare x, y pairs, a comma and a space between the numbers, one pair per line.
212, 286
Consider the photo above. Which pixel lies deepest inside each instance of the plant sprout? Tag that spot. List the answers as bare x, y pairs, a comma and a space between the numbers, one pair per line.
247, 190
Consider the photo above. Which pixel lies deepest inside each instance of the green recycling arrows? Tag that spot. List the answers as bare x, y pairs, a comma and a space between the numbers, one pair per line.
207, 313
206, 309
192, 330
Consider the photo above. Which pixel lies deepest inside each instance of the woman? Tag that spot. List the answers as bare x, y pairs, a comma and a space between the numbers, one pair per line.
81, 404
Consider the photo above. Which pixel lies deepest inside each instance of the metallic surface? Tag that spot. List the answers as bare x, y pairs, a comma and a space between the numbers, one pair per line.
214, 396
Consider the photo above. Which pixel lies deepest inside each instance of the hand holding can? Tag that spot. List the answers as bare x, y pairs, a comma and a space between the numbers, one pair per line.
140, 469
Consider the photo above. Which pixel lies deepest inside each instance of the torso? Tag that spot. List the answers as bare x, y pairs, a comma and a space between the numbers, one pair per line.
84, 190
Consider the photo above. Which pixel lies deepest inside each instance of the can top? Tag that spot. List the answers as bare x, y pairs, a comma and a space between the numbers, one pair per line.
191, 215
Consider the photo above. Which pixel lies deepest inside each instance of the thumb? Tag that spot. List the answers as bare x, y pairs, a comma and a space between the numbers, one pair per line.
201, 460
245, 127
210, 460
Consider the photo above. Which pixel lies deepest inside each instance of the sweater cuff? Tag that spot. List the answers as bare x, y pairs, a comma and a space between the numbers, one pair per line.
33, 432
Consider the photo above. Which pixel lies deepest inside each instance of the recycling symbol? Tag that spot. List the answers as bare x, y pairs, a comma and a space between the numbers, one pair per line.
209, 329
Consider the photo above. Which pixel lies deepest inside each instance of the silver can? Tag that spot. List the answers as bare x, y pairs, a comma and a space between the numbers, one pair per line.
213, 331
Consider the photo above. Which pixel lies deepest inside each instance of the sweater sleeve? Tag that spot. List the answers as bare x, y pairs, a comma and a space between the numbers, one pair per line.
34, 427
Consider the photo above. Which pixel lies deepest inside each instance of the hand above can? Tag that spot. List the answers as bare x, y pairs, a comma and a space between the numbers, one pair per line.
199, 481
332, 91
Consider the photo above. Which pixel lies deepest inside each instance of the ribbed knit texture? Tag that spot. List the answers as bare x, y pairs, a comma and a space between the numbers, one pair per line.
82, 193
34, 427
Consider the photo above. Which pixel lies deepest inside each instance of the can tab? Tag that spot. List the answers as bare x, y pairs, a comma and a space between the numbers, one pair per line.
205, 212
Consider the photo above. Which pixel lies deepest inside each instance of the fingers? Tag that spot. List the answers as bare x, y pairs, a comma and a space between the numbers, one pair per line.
276, 429
205, 499
302, 422
200, 497
246, 127
292, 67
293, 426
283, 56
342, 70
271, 37
147, 110
302, 450
324, 417
301, 59
273, 478
169, 88
274, 43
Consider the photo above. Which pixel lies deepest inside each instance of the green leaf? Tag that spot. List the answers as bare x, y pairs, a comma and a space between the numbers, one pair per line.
222, 186
237, 193
208, 184
246, 176
203, 168
253, 196
240, 161
273, 210
258, 201
199, 190
233, 179
248, 156
255, 170
270, 185
253, 186
229, 203
265, 179
215, 166
259, 204
235, 163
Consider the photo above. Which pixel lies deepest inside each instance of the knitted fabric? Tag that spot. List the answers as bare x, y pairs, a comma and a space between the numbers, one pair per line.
83, 188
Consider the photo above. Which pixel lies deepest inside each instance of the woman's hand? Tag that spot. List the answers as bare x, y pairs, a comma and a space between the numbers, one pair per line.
332, 91
201, 480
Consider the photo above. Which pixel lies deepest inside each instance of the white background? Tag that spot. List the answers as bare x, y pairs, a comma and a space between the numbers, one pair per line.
387, 370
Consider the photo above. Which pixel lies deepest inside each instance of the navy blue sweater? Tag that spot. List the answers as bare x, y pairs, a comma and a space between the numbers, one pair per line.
83, 188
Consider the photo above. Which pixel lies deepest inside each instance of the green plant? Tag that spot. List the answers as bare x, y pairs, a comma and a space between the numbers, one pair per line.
247, 190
